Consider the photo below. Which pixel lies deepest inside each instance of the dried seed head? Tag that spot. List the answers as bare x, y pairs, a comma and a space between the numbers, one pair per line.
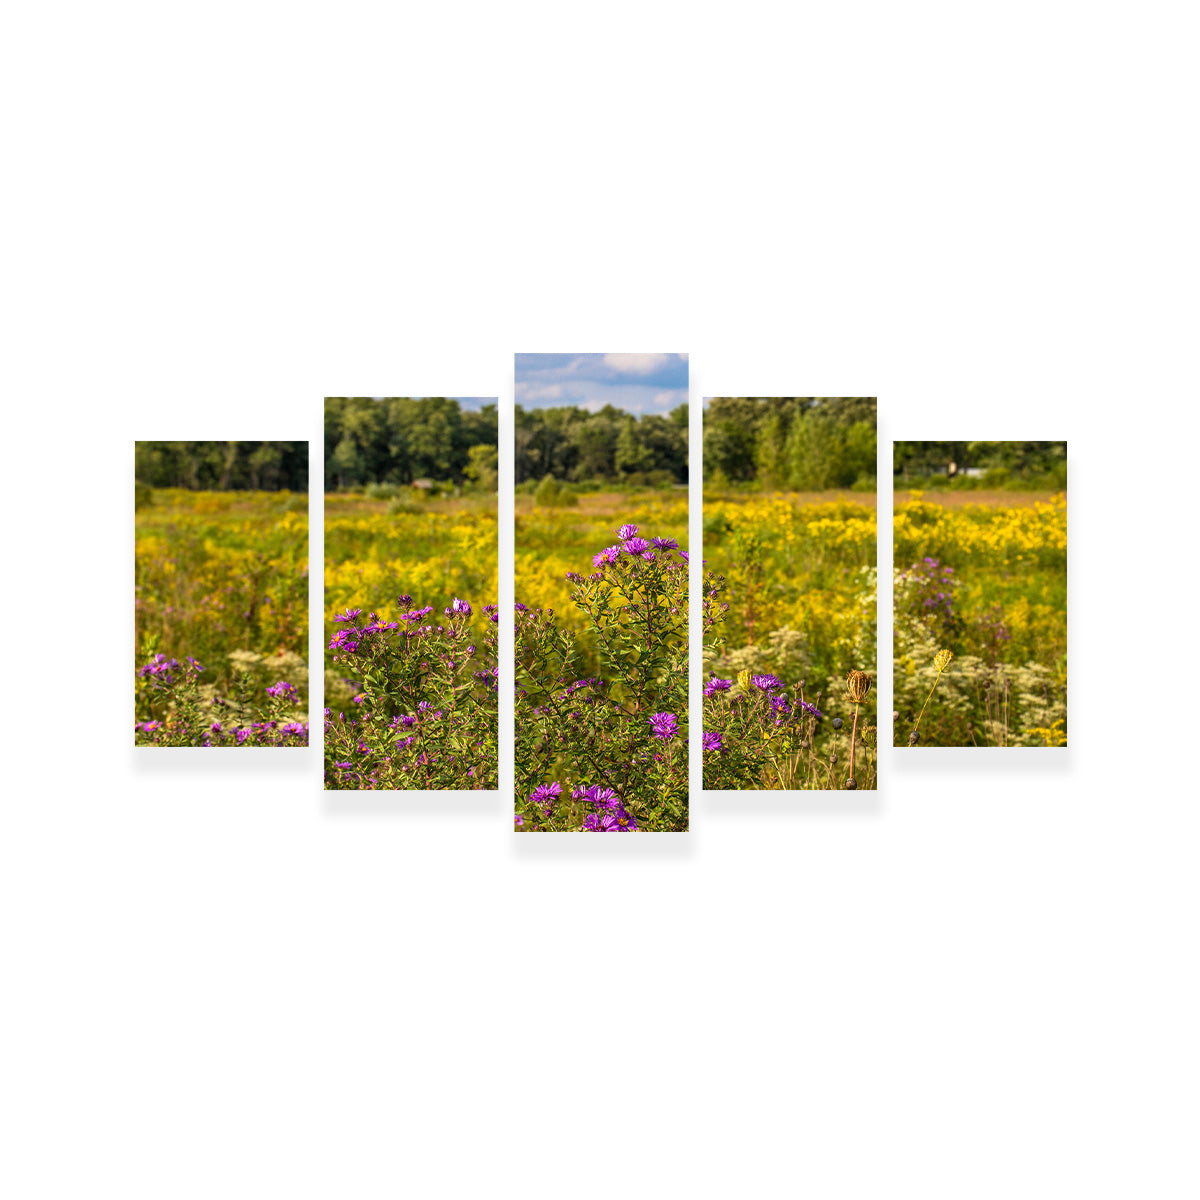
858, 684
851, 784
942, 661
913, 738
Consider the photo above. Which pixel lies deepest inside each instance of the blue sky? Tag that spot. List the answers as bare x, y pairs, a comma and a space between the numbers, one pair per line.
638, 383
471, 403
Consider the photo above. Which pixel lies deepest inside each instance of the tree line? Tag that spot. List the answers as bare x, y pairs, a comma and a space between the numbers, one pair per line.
1027, 460
400, 438
612, 445
223, 466
806, 443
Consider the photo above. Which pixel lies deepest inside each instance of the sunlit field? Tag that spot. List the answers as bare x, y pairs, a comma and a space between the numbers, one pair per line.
984, 577
222, 578
549, 542
796, 603
433, 550
552, 541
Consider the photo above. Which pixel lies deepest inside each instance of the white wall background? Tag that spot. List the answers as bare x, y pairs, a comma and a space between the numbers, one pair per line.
219, 982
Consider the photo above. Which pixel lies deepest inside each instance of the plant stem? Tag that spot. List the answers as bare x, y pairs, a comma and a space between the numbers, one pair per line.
853, 733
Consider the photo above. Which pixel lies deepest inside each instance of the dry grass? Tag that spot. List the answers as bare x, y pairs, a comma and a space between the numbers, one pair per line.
990, 499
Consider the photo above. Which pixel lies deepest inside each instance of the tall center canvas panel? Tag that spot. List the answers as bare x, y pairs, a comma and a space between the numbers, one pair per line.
601, 588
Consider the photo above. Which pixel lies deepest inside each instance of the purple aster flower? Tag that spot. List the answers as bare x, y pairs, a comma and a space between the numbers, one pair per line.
766, 682
378, 626
545, 794
518, 820
684, 555
600, 823
349, 615
712, 741
811, 709
717, 685
661, 543
664, 725
608, 555
283, 690
627, 531
636, 545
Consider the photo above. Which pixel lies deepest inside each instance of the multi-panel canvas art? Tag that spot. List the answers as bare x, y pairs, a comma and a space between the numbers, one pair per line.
979, 622
221, 594
600, 456
790, 593
601, 672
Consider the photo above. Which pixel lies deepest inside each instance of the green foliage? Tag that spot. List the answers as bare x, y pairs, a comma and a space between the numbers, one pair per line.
381, 491
790, 442
611, 445
483, 467
551, 494
403, 507
143, 495
223, 466
1011, 466
399, 439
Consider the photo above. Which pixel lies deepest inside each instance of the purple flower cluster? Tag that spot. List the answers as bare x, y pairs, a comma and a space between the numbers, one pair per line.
766, 683
608, 813
633, 544
664, 725
717, 685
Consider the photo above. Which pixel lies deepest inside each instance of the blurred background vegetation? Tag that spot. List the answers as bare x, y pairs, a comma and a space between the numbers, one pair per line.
608, 449
222, 466
796, 443
398, 440
967, 466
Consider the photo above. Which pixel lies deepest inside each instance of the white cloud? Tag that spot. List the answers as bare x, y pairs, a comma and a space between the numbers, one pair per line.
637, 364
530, 393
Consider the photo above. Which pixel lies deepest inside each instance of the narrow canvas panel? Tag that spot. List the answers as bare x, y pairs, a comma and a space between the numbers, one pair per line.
601, 588
980, 594
790, 543
410, 593
221, 594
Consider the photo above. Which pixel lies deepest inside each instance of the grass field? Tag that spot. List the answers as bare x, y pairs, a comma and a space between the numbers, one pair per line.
221, 574
985, 576
799, 581
800, 576
374, 552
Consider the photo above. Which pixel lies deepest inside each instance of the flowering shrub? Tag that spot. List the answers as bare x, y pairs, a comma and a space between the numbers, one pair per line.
607, 755
760, 733
424, 712
447, 547
175, 708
